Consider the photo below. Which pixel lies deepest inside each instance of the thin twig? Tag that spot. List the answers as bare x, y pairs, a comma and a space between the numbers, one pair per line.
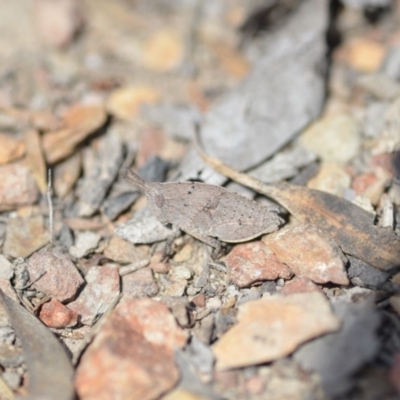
49, 195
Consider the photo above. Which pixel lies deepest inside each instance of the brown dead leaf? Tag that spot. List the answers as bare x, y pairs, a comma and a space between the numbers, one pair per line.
80, 121
163, 51
38, 119
10, 148
125, 102
35, 158
66, 173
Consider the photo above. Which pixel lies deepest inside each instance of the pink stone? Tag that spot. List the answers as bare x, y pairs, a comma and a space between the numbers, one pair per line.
55, 315
56, 274
254, 262
132, 357
102, 287
310, 253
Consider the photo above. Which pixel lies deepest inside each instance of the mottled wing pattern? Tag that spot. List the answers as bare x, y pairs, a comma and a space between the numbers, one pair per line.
185, 202
237, 219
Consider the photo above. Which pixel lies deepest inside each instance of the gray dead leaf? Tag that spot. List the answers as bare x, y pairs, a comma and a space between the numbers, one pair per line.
337, 356
143, 228
281, 95
50, 371
284, 165
105, 165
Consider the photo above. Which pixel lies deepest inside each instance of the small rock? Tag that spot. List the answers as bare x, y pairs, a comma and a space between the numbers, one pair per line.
180, 273
59, 277
175, 289
331, 178
132, 357
140, 283
364, 54
309, 253
102, 287
85, 243
55, 315
17, 186
163, 51
273, 327
25, 235
143, 228
299, 285
253, 262
158, 266
58, 21
340, 131
363, 274
199, 300
123, 252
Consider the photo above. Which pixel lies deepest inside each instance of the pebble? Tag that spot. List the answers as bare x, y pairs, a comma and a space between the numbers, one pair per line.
143, 228
140, 283
299, 285
180, 273
163, 50
60, 278
17, 186
331, 178
55, 315
132, 357
364, 54
309, 253
124, 252
254, 262
58, 21
85, 243
342, 133
25, 235
273, 327
102, 287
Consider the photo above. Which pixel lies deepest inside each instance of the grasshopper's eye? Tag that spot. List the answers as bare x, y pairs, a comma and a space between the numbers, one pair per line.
159, 200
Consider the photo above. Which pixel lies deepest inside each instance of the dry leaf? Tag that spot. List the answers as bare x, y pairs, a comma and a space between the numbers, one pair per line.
81, 121
125, 102
35, 158
163, 51
10, 148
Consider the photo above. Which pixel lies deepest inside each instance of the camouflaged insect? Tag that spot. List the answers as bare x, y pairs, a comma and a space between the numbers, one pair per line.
207, 212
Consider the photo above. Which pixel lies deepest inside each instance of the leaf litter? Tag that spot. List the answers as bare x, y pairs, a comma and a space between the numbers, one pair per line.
99, 87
